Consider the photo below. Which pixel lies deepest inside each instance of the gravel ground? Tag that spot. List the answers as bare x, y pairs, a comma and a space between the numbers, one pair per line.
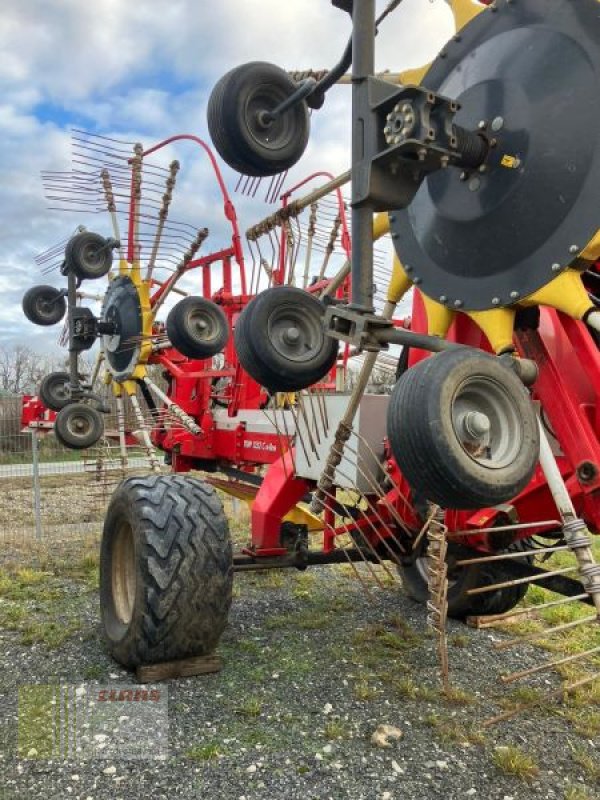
311, 667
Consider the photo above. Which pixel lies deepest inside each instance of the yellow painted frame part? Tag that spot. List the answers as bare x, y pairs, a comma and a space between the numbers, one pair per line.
498, 325
565, 293
464, 11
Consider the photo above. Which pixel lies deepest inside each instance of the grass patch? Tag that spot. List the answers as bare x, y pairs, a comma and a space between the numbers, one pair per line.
204, 752
455, 696
37, 604
588, 763
251, 707
514, 761
449, 730
335, 729
363, 690
579, 793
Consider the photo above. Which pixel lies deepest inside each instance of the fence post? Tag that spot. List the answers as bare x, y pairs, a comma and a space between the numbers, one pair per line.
37, 510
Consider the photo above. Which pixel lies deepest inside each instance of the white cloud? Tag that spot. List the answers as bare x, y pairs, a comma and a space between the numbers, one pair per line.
111, 65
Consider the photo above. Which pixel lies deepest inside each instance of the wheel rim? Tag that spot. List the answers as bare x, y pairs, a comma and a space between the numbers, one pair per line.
295, 332
80, 425
123, 574
203, 325
486, 423
274, 134
57, 389
92, 258
44, 307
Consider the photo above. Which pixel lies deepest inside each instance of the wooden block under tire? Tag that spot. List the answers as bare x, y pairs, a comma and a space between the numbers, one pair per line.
184, 668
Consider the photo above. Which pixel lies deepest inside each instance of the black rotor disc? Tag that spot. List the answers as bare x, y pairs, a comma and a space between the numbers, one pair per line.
122, 309
529, 69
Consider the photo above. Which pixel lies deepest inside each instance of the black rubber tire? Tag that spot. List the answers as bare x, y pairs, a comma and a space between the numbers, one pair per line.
185, 334
54, 392
183, 570
88, 256
44, 305
70, 418
426, 447
265, 363
234, 129
461, 579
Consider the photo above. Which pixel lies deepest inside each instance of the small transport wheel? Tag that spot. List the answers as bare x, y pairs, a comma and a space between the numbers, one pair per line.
88, 255
240, 130
463, 430
54, 390
44, 305
197, 327
415, 580
166, 570
280, 340
78, 426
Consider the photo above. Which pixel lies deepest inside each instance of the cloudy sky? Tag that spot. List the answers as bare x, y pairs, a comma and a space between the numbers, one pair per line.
142, 72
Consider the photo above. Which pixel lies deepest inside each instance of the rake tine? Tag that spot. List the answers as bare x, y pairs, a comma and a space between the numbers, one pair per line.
491, 620
279, 438
300, 437
376, 491
330, 246
291, 449
384, 499
313, 413
529, 637
163, 214
348, 531
529, 579
121, 431
377, 533
550, 523
148, 446
100, 136
307, 422
425, 527
437, 603
504, 556
174, 410
556, 694
524, 673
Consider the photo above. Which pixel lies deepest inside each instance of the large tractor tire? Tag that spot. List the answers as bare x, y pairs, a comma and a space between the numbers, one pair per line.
463, 430
166, 570
462, 578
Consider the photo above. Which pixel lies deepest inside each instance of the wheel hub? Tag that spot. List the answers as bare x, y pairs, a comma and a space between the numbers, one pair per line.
476, 425
122, 310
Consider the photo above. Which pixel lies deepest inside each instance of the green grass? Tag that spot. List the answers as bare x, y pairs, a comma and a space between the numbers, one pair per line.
204, 752
514, 761
589, 763
450, 730
39, 606
579, 793
335, 729
250, 707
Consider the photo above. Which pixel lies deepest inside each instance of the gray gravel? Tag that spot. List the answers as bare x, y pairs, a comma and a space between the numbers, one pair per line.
303, 661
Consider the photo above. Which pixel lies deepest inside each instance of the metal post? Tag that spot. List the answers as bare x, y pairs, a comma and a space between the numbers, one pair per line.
37, 507
363, 65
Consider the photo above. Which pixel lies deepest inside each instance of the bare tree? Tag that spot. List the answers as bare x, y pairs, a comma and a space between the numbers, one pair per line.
22, 369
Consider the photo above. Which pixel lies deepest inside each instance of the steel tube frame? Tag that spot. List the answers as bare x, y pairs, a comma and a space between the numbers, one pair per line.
363, 66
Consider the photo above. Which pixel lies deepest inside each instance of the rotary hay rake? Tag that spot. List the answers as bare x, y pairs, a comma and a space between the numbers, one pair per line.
462, 514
